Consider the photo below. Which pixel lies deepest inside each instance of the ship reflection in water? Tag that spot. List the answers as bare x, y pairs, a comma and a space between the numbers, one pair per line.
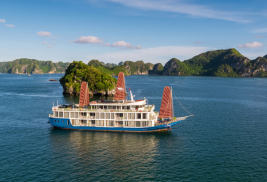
96, 155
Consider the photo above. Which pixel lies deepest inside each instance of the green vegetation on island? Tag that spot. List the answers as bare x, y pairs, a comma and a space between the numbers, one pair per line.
225, 63
33, 66
98, 82
127, 67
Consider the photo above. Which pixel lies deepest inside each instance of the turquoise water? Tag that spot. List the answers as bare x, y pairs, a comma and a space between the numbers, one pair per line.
226, 140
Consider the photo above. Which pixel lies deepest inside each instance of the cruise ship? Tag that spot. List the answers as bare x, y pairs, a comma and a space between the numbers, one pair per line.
118, 115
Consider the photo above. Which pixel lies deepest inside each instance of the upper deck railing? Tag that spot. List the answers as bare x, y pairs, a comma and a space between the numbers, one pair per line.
149, 108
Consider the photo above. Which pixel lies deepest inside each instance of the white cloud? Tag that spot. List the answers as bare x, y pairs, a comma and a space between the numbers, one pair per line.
261, 30
251, 45
184, 8
125, 45
44, 33
2, 21
45, 42
153, 55
10, 25
88, 39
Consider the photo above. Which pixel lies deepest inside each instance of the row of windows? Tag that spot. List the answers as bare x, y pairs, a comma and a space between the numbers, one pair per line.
117, 107
68, 122
77, 122
101, 115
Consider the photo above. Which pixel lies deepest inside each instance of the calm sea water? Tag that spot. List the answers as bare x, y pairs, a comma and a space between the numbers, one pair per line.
226, 140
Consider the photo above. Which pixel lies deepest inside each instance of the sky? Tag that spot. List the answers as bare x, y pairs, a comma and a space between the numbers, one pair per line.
118, 30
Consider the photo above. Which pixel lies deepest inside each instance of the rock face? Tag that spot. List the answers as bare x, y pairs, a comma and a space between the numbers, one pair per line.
171, 66
157, 69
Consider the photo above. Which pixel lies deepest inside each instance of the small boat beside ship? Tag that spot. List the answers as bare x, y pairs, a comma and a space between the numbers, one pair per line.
118, 115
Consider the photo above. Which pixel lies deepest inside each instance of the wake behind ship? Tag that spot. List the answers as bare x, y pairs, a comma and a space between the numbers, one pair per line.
118, 115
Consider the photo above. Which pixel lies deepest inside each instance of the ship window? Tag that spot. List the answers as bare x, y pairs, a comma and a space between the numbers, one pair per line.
129, 115
102, 115
126, 123
133, 116
62, 121
128, 107
57, 120
68, 122
99, 123
143, 123
76, 115
114, 107
92, 114
112, 115
118, 107
66, 114
149, 123
120, 114
125, 115
144, 115
61, 114
93, 122
72, 114
138, 116
101, 107
132, 123
119, 123
137, 124
110, 123
110, 107
123, 107
105, 107
56, 114
97, 115
107, 116
82, 113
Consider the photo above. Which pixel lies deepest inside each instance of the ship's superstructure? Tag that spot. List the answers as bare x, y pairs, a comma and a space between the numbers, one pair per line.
115, 115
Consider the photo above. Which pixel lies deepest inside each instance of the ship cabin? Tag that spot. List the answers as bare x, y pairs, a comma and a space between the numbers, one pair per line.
107, 114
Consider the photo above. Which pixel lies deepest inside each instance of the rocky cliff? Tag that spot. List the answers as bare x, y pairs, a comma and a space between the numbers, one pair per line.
157, 69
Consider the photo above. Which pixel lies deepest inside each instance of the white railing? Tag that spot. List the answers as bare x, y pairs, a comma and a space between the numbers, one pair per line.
147, 109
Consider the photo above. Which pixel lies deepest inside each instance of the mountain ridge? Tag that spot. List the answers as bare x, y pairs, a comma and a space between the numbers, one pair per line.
32, 66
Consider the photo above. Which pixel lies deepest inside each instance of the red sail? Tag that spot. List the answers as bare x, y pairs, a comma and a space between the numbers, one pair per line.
166, 104
84, 95
120, 89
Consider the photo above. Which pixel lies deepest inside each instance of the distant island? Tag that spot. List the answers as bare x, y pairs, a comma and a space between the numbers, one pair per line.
32, 66
223, 63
